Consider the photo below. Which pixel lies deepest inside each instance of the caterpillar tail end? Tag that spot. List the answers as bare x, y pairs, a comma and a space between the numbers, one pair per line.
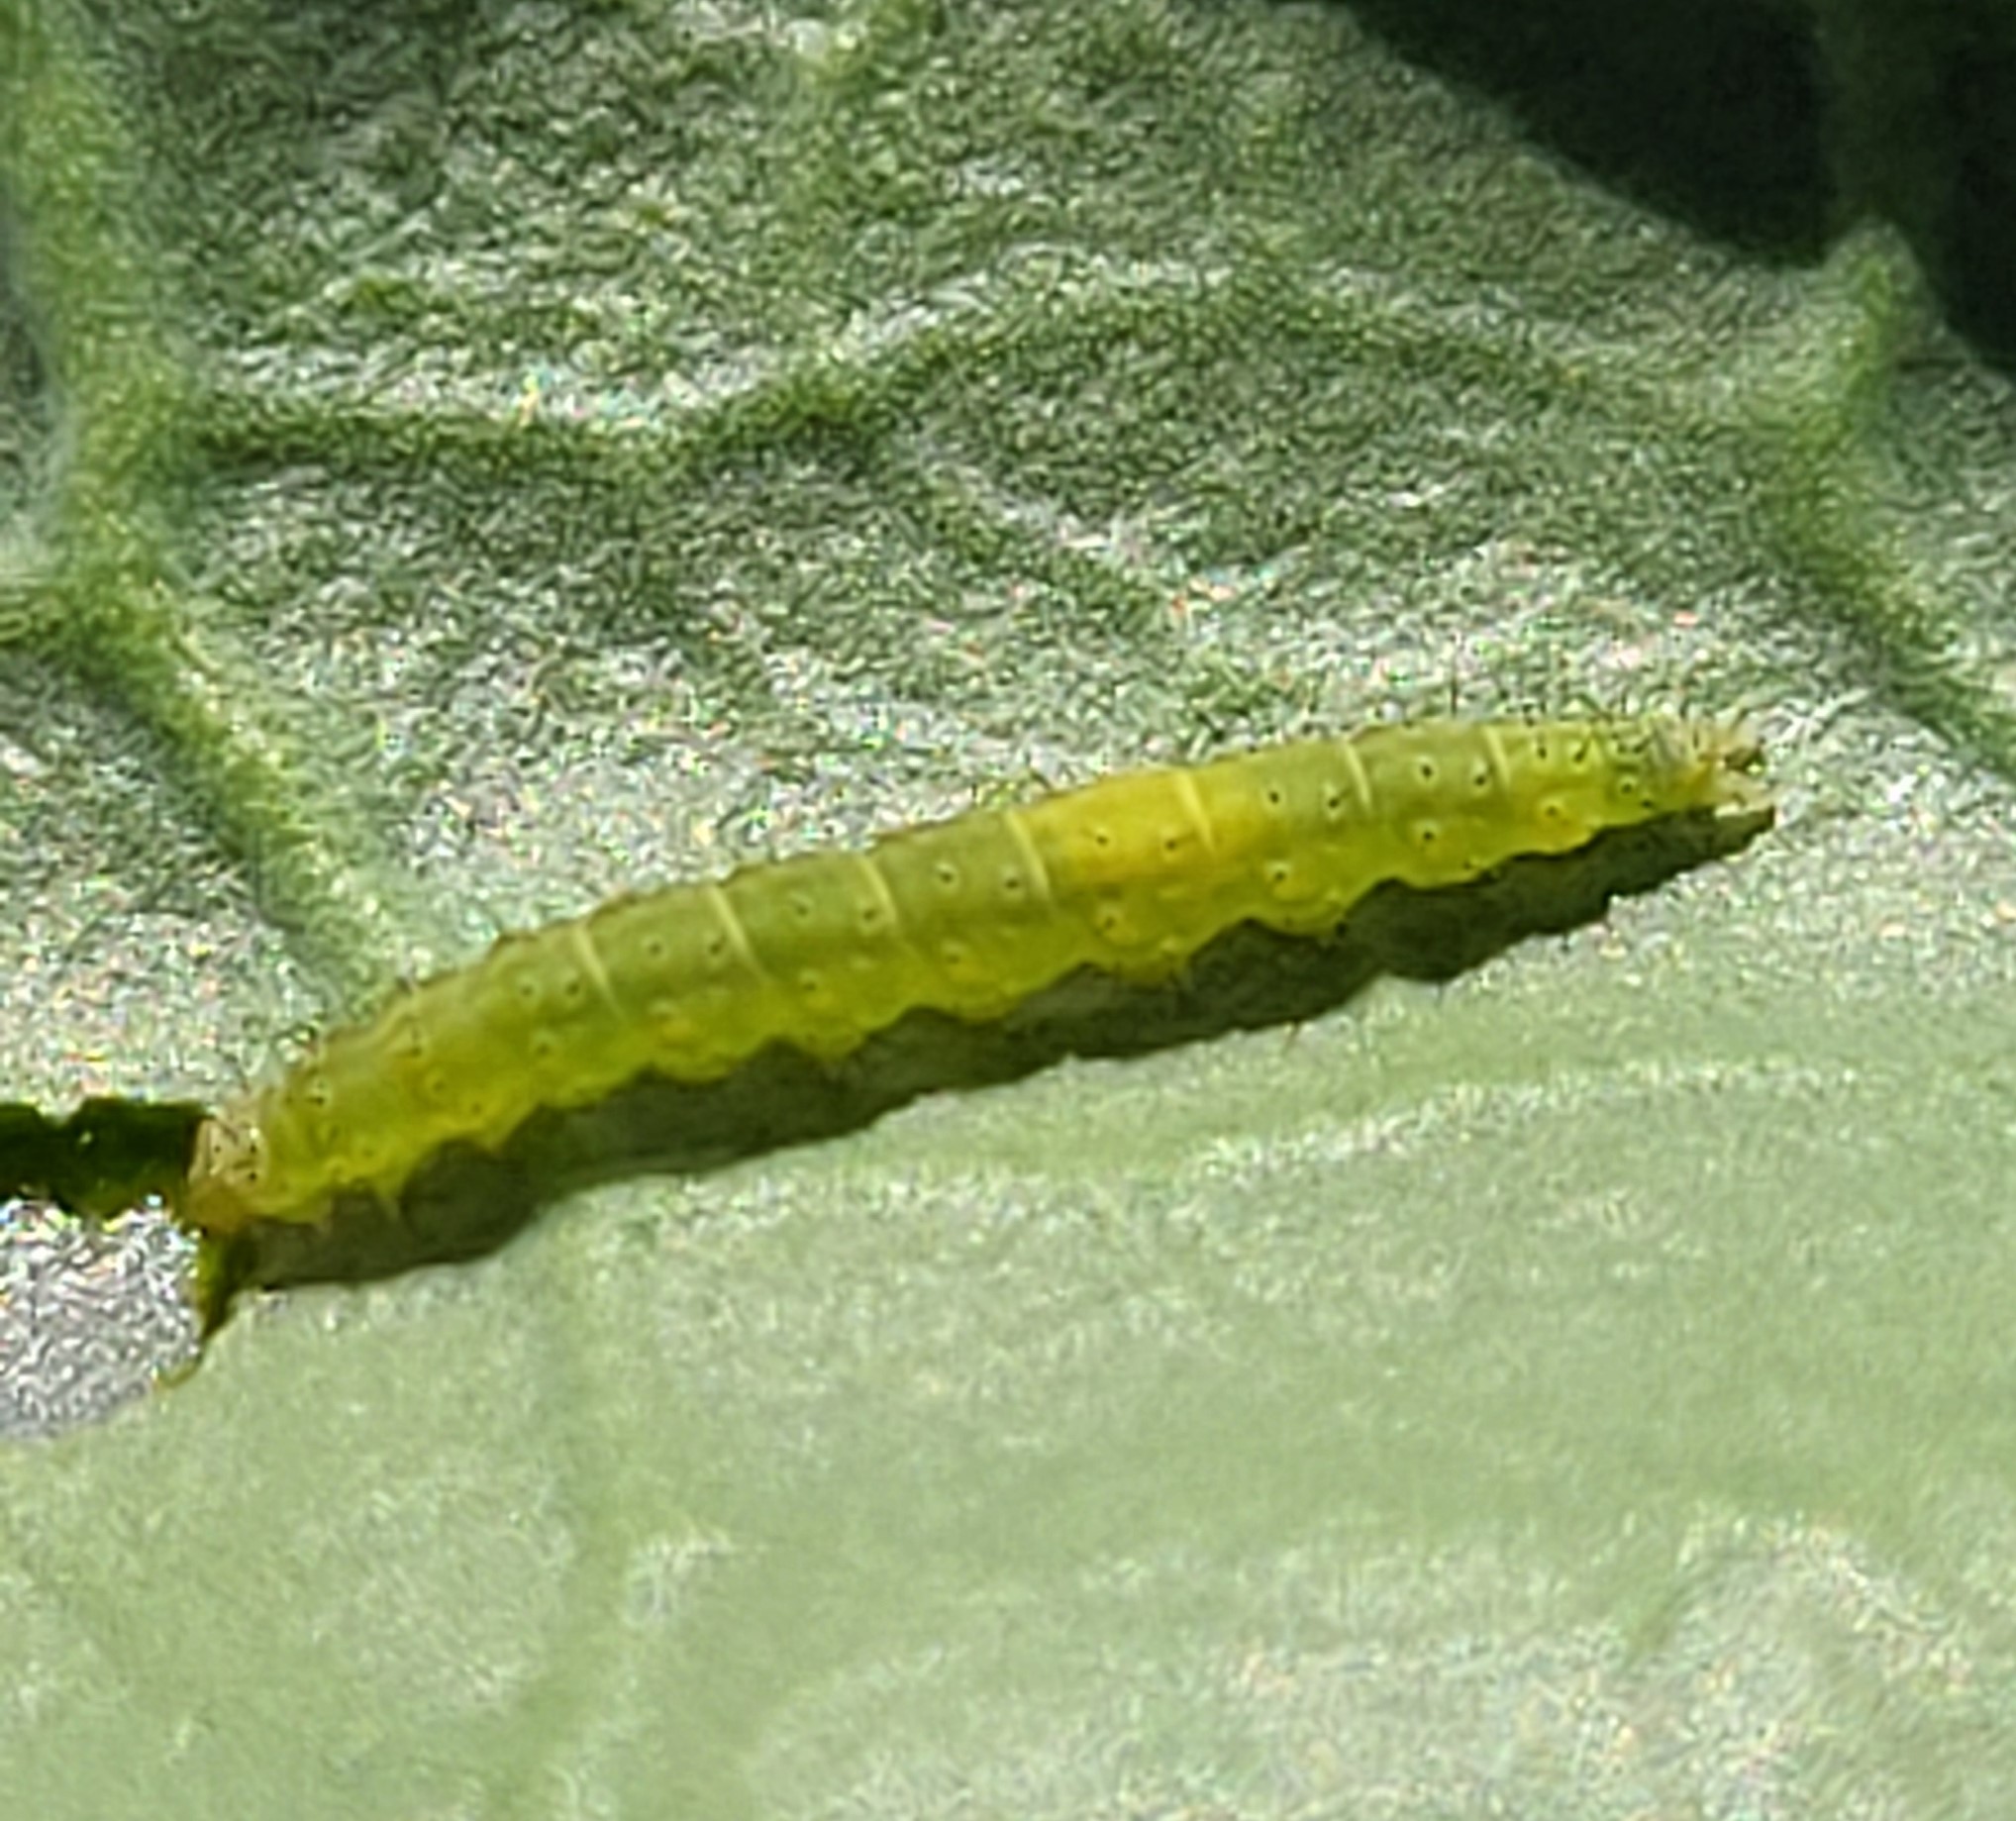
218, 1203
225, 1172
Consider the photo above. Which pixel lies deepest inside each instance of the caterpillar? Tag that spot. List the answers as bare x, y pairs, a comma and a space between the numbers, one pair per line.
1131, 875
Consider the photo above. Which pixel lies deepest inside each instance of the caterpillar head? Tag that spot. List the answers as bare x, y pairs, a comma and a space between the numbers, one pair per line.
1700, 764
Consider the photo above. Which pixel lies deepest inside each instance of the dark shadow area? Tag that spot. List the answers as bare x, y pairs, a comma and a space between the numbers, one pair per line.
468, 1203
28, 414
1767, 127
1923, 105
1972, 249
1709, 111
308, 83
107, 1156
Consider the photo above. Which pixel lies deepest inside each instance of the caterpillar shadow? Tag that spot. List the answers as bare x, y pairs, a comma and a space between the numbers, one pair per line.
466, 1202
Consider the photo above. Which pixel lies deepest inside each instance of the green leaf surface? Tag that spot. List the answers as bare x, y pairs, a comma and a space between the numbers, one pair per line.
458, 460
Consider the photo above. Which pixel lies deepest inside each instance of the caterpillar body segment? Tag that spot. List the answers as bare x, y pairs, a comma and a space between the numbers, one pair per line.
1131, 875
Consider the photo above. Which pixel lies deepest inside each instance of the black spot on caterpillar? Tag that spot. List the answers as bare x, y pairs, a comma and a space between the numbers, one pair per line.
1131, 875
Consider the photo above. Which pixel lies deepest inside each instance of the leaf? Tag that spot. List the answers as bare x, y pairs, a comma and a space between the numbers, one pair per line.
461, 463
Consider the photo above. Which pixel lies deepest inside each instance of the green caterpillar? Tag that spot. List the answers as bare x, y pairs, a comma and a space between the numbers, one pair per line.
1131, 875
